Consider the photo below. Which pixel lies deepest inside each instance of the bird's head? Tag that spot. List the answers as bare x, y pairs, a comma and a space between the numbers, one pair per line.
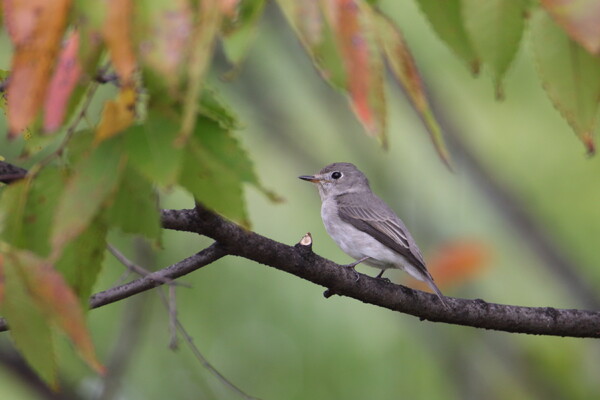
338, 178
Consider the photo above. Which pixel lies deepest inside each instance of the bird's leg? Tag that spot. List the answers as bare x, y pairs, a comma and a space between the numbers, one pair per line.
354, 264
380, 274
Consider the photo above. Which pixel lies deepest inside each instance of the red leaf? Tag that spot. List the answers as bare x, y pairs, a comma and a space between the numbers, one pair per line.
58, 301
63, 81
35, 27
580, 18
356, 56
363, 64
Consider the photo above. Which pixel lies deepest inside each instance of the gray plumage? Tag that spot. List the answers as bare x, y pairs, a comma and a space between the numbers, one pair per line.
363, 225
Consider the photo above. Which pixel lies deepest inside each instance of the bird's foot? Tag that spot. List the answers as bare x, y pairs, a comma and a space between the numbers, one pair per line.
379, 276
352, 267
354, 264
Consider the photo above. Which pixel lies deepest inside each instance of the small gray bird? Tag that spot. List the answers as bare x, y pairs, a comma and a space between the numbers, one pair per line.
364, 226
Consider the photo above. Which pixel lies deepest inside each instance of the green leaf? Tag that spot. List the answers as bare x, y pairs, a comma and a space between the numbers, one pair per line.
94, 179
135, 207
209, 175
240, 33
13, 204
446, 19
495, 28
212, 106
80, 145
231, 154
81, 260
570, 76
90, 16
316, 33
404, 68
151, 148
3, 75
29, 328
204, 34
39, 207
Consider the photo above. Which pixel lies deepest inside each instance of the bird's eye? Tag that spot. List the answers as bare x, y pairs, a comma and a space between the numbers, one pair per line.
336, 175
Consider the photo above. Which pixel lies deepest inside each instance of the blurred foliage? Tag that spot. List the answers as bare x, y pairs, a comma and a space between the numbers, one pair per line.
128, 113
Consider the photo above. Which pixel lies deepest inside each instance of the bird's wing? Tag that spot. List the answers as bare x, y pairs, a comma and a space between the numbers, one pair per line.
383, 224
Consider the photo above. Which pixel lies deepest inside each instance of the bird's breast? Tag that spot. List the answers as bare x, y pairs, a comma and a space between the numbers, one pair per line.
355, 243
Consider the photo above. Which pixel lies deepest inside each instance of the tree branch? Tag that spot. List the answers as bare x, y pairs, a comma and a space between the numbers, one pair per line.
158, 278
150, 281
299, 260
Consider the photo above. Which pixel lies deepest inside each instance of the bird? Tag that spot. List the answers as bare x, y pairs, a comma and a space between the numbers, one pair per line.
364, 226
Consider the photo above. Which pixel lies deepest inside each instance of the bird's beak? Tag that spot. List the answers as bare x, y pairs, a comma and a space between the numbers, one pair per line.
311, 178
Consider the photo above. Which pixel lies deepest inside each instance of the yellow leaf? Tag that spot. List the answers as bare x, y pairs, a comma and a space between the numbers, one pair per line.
117, 35
117, 115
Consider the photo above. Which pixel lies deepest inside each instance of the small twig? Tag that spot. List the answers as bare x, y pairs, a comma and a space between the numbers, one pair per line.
89, 96
207, 256
172, 306
72, 127
174, 324
199, 356
133, 326
133, 267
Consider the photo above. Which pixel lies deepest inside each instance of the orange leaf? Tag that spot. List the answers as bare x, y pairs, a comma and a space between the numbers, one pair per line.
229, 8
58, 301
363, 66
36, 28
457, 262
117, 115
579, 18
117, 34
63, 81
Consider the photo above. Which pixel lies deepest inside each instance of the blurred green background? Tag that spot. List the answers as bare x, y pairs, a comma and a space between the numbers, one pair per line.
276, 337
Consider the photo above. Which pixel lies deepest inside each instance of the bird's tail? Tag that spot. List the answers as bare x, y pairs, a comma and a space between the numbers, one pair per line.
437, 291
